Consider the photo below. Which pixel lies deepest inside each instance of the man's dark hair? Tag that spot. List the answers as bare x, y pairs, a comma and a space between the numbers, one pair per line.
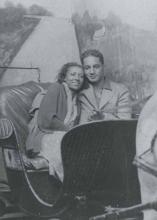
94, 53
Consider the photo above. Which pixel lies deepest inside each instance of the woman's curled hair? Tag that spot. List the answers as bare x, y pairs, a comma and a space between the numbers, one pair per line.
63, 71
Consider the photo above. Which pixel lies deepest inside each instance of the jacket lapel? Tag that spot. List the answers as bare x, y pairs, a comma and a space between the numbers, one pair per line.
89, 95
107, 94
105, 98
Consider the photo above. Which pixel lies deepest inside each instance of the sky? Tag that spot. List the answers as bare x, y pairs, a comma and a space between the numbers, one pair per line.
140, 13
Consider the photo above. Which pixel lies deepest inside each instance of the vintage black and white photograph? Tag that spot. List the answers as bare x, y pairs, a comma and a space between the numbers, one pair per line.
78, 109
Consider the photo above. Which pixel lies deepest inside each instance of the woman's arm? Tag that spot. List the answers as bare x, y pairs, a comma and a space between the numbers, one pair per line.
47, 118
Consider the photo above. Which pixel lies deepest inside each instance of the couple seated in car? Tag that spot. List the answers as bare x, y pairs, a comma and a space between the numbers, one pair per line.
81, 94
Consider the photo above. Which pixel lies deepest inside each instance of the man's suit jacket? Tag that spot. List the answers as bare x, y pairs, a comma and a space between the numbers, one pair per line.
114, 102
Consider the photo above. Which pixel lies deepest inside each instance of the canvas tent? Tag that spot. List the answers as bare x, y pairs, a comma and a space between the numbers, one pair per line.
51, 44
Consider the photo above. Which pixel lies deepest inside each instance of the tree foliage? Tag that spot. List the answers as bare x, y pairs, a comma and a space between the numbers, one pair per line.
85, 27
38, 10
112, 22
11, 16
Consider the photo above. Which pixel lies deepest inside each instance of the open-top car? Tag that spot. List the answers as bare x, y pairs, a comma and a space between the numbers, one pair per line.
99, 175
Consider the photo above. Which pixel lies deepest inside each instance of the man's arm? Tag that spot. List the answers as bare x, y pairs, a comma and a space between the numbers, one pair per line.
124, 105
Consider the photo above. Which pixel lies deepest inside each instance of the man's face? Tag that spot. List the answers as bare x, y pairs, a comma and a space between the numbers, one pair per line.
94, 69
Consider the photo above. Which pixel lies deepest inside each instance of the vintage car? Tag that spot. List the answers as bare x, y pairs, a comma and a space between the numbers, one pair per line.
97, 159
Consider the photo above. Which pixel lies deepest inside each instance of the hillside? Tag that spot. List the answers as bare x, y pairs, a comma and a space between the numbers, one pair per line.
15, 28
11, 39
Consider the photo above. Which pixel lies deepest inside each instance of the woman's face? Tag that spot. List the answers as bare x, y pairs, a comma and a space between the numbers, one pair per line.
74, 78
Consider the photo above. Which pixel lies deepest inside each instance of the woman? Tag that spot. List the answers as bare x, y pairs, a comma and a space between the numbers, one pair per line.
58, 112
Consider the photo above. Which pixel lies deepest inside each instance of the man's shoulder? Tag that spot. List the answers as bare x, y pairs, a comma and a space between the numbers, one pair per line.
114, 86
118, 86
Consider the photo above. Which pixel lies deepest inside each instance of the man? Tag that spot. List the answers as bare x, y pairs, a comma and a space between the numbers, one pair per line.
101, 99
